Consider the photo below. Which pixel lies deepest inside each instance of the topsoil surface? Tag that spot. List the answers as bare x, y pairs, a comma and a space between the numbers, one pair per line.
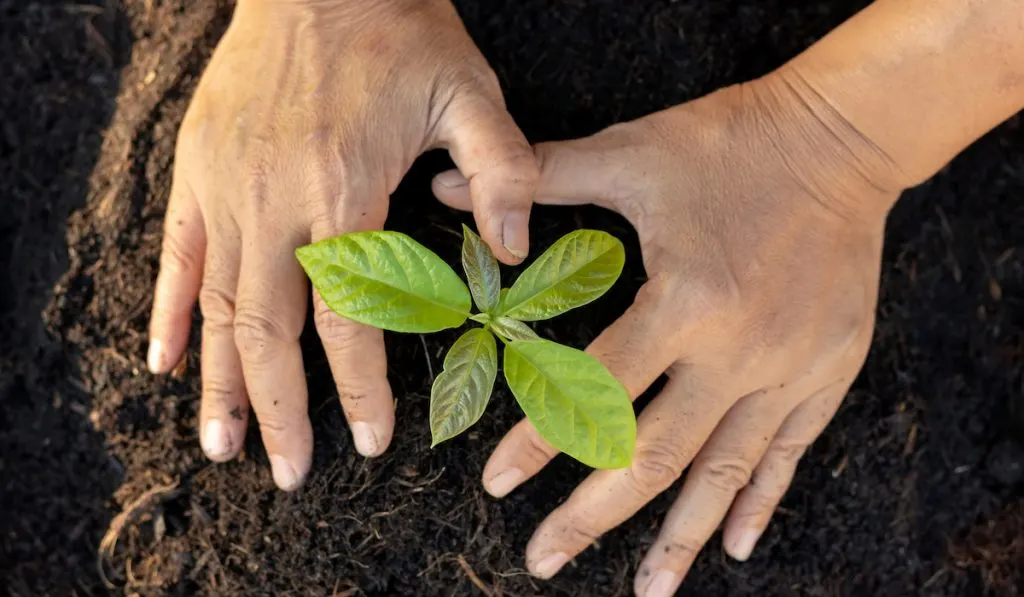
914, 489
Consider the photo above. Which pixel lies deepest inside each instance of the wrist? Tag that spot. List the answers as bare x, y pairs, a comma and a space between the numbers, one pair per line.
832, 159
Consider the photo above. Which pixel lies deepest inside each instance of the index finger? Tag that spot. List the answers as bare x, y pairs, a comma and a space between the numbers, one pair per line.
670, 431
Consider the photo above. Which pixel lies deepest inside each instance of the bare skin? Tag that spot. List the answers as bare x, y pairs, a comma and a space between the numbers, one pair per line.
760, 209
305, 121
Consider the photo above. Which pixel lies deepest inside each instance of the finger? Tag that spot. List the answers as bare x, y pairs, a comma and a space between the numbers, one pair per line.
669, 432
358, 363
269, 315
593, 170
755, 504
177, 284
499, 170
722, 467
630, 352
224, 410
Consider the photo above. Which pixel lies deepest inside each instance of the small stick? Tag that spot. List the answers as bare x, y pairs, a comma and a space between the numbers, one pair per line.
426, 354
473, 578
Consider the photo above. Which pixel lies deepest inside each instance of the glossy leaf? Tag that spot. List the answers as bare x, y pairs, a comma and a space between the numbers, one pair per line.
460, 392
481, 270
387, 280
573, 401
512, 329
577, 269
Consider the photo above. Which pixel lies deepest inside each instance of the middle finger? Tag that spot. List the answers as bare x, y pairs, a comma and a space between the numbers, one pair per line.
269, 315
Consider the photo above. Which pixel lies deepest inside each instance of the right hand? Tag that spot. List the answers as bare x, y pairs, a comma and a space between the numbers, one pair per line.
307, 118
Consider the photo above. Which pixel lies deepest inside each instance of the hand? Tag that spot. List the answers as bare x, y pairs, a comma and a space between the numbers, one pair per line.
306, 119
760, 216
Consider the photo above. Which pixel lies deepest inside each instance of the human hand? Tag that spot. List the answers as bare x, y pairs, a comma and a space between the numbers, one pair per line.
760, 216
305, 121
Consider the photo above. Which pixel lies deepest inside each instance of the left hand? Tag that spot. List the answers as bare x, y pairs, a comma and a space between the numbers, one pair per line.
761, 216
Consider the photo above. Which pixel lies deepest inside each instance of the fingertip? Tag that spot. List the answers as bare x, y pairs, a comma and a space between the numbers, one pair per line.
515, 233
221, 441
451, 180
367, 439
286, 474
503, 482
452, 189
739, 542
155, 357
548, 565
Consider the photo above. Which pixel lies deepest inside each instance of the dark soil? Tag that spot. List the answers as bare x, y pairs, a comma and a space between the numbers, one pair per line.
914, 489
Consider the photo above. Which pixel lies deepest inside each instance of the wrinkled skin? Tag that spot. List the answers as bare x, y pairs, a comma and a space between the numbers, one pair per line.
305, 121
761, 220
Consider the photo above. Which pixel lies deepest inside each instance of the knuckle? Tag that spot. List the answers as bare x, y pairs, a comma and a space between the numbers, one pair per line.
656, 467
728, 475
680, 548
257, 176
272, 426
216, 305
335, 331
578, 531
716, 294
220, 392
177, 256
257, 335
786, 451
763, 493
536, 449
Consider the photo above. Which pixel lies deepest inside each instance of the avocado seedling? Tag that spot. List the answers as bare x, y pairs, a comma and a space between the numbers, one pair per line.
388, 280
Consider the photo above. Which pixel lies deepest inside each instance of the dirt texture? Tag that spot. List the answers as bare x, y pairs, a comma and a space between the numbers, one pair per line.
916, 488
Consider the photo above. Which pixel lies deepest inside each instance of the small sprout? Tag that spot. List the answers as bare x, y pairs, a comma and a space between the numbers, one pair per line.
389, 281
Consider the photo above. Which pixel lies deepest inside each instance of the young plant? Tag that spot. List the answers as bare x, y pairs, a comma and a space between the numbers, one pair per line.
387, 280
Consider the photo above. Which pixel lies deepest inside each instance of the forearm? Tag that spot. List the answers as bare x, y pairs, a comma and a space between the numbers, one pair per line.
917, 80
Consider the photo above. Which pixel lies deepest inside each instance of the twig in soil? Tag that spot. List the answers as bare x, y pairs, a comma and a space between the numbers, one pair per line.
908, 448
130, 513
473, 578
426, 354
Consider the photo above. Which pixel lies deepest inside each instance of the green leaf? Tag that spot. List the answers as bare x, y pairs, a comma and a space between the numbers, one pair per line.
512, 329
460, 392
482, 318
481, 270
577, 269
573, 401
387, 280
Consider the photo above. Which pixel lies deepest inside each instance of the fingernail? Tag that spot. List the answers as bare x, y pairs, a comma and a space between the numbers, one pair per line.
664, 584
504, 482
155, 357
364, 438
743, 545
216, 439
515, 234
550, 564
284, 473
451, 179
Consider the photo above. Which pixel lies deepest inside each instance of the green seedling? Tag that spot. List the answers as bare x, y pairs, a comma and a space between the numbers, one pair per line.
387, 280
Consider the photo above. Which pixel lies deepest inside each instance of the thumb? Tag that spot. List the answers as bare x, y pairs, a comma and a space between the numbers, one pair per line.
497, 172
592, 170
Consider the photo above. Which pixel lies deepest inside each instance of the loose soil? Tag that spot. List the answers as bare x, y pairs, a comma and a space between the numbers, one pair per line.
914, 489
